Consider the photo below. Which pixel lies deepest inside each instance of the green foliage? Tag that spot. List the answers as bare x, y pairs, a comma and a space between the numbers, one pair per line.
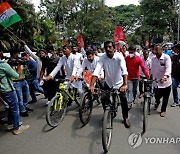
151, 20
127, 16
89, 18
159, 18
36, 31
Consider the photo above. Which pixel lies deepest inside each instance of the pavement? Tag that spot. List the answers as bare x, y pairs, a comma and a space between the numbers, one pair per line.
162, 135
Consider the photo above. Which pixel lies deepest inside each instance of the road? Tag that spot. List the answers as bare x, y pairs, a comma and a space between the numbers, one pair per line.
70, 138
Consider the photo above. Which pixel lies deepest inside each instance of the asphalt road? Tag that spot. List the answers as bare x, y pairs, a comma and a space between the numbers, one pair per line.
70, 138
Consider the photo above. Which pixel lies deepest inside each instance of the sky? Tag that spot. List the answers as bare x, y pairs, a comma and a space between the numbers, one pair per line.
110, 3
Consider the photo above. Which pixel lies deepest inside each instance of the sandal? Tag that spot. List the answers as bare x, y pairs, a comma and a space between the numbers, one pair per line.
162, 114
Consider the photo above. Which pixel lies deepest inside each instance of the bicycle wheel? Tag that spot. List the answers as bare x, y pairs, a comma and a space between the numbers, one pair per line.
85, 108
145, 113
56, 110
116, 103
107, 130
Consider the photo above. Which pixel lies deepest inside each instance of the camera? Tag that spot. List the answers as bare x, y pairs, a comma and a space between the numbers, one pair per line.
16, 62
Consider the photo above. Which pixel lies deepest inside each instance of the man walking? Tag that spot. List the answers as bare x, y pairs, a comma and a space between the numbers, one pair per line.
161, 70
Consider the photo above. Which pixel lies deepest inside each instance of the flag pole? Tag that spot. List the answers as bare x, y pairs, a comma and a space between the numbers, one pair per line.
13, 34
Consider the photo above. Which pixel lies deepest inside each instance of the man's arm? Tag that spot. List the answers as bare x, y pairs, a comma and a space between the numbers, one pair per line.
168, 70
10, 72
55, 70
96, 73
168, 67
28, 50
144, 69
41, 73
91, 87
124, 87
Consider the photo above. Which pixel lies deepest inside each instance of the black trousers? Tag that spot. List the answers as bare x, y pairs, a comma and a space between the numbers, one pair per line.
50, 88
141, 85
162, 93
105, 99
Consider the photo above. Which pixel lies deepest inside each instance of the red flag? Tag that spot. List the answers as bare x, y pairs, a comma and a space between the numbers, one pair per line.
118, 36
80, 41
87, 77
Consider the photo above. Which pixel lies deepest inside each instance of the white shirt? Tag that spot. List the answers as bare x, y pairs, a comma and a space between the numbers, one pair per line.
79, 56
100, 54
147, 64
160, 68
114, 68
151, 55
91, 65
71, 64
35, 57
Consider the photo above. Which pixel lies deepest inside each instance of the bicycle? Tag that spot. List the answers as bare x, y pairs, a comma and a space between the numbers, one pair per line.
86, 105
110, 113
57, 107
148, 94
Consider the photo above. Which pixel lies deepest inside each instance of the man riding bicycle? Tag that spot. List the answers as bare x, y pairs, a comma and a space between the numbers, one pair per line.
72, 67
115, 77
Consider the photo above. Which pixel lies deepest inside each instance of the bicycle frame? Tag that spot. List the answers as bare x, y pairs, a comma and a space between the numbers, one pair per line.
62, 88
147, 87
112, 106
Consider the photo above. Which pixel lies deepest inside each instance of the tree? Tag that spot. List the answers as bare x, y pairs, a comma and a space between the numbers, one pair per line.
90, 18
159, 17
127, 16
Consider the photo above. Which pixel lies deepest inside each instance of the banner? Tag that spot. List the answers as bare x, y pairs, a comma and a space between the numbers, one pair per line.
147, 43
8, 16
118, 36
80, 41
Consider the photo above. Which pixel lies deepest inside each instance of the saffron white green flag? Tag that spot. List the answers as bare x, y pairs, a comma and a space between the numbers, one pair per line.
8, 15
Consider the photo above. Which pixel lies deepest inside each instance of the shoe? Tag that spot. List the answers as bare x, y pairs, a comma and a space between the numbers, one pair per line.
162, 114
32, 101
37, 94
24, 114
10, 127
175, 104
140, 95
126, 123
29, 109
21, 128
47, 103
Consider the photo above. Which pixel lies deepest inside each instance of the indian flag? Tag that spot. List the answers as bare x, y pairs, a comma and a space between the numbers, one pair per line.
8, 15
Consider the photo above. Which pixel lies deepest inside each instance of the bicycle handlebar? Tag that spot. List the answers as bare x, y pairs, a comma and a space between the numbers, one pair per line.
63, 80
149, 80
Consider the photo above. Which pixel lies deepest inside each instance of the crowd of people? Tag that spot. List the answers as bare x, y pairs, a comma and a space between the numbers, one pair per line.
27, 73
